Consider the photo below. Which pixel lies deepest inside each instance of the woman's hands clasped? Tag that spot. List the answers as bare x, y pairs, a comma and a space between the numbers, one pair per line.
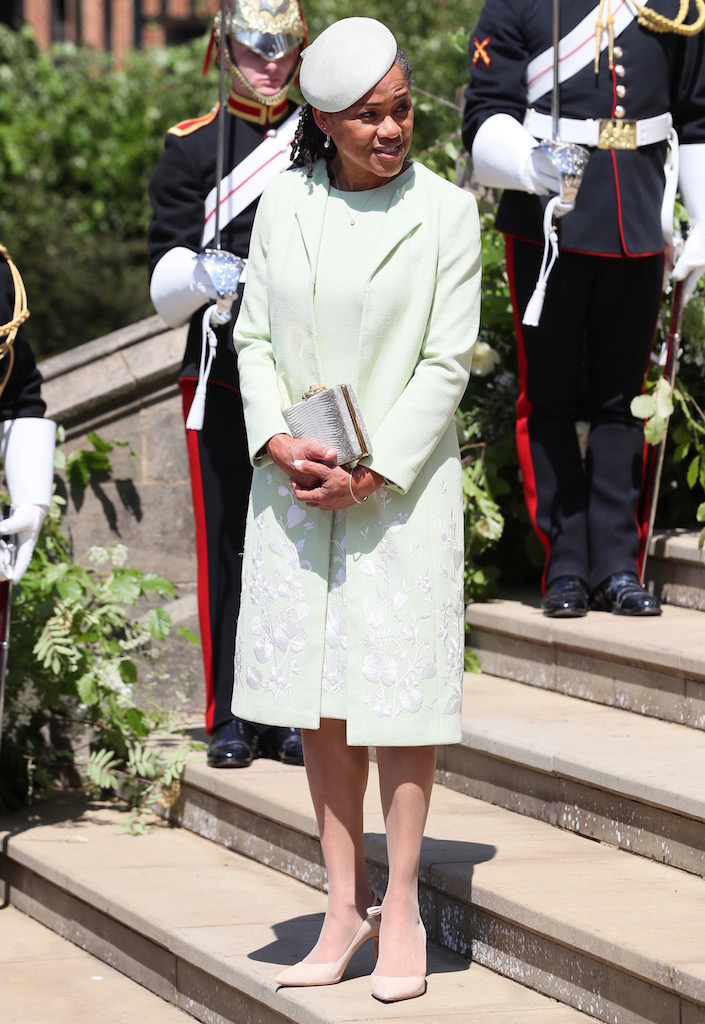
315, 478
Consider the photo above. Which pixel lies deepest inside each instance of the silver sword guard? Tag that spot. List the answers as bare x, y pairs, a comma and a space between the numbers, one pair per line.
225, 271
570, 160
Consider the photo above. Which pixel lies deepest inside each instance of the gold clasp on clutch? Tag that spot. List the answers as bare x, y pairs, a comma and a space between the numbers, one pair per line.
314, 390
616, 134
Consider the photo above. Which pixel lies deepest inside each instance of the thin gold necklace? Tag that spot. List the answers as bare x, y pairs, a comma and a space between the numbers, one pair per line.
354, 215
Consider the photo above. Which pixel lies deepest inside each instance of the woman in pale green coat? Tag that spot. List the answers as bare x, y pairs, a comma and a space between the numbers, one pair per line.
364, 269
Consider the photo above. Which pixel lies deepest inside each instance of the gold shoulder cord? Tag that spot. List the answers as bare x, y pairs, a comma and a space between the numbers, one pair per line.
659, 23
9, 330
650, 19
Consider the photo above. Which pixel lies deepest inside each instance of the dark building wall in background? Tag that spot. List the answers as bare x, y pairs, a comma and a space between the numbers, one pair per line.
115, 26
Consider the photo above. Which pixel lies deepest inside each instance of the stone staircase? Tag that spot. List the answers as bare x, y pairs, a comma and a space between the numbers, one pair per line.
563, 870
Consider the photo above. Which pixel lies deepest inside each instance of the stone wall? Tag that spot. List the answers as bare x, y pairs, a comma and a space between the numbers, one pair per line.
123, 386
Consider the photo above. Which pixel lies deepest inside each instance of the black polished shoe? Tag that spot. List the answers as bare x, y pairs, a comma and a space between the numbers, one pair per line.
230, 745
281, 744
566, 597
622, 594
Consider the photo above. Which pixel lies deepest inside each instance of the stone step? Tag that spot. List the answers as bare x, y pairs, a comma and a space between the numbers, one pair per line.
47, 978
628, 780
653, 666
620, 937
208, 930
675, 568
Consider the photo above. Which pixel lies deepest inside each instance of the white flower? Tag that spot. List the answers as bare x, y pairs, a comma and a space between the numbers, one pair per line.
118, 555
484, 359
98, 555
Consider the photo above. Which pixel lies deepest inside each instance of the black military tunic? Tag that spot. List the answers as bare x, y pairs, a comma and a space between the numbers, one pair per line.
604, 292
22, 393
218, 456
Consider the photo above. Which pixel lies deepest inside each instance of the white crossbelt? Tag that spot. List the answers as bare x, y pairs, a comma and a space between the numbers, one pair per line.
649, 130
576, 50
246, 181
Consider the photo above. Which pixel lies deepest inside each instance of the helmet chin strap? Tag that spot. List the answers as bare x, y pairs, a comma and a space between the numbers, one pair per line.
266, 101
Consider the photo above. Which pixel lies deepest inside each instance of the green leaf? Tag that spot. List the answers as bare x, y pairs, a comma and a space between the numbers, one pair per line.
137, 720
98, 443
643, 406
158, 623
70, 588
124, 586
189, 635
157, 584
655, 430
128, 672
663, 393
87, 689
693, 472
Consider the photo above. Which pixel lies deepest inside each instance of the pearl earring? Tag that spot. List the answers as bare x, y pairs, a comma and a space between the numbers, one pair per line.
326, 144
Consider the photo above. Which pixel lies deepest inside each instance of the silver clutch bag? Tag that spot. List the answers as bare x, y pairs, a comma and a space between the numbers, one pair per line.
332, 417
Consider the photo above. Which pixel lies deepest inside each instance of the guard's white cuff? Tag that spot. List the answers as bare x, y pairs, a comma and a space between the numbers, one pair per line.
180, 286
27, 445
691, 175
502, 157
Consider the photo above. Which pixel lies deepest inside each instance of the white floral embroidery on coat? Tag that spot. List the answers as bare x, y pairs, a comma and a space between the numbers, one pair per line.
336, 642
279, 626
401, 644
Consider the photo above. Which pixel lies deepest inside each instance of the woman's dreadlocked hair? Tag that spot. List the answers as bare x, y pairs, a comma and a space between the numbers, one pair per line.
307, 146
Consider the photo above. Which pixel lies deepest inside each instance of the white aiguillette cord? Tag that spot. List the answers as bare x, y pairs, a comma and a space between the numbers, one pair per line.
209, 344
532, 314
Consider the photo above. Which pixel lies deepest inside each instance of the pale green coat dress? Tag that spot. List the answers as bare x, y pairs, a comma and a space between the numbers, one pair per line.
358, 614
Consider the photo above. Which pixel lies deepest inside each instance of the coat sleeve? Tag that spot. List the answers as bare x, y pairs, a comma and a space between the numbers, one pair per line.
261, 397
688, 100
423, 412
498, 57
176, 194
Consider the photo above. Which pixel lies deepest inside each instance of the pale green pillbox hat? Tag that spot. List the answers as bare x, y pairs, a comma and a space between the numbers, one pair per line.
345, 62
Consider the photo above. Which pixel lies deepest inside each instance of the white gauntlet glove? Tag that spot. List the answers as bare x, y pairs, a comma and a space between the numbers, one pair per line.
690, 265
28, 455
179, 286
502, 157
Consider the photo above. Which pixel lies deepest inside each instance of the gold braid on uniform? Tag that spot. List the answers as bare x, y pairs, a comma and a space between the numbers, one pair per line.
9, 330
599, 25
660, 23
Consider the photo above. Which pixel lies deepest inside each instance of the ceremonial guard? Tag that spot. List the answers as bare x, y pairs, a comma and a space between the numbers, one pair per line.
205, 189
26, 438
623, 93
27, 444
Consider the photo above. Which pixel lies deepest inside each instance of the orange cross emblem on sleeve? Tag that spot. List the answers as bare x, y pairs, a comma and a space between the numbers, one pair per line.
481, 52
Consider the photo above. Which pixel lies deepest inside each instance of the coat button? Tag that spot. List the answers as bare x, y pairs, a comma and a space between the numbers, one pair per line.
621, 91
619, 111
618, 52
619, 70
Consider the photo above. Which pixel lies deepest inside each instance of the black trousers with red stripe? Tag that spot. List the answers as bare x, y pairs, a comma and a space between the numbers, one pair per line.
599, 318
220, 485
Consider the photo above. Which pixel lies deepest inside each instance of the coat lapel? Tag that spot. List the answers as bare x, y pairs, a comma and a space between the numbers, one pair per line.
402, 218
310, 211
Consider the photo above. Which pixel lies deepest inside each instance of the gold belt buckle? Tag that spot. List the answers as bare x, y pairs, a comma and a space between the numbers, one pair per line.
616, 134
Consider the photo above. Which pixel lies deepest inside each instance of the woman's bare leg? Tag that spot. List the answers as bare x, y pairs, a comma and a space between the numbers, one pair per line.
337, 778
406, 777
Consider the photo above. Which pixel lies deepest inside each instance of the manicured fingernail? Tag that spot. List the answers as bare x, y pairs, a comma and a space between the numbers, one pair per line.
298, 463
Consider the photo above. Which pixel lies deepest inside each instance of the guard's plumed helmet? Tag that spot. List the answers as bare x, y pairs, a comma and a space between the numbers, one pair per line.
270, 29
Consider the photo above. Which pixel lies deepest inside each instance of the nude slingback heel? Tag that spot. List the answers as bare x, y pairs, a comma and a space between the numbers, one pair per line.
392, 990
308, 975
